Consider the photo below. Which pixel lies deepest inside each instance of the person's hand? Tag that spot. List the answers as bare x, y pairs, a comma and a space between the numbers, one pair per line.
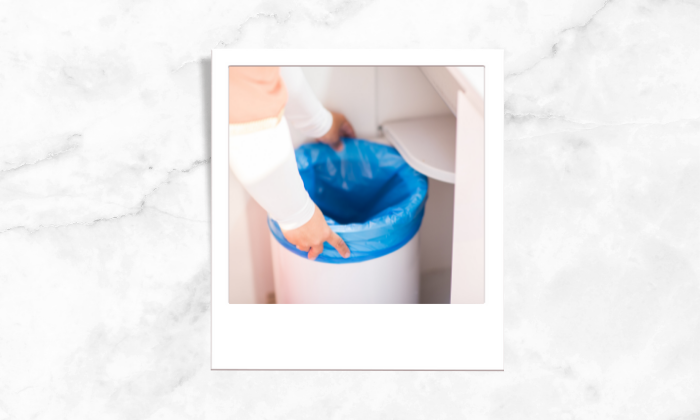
341, 127
311, 236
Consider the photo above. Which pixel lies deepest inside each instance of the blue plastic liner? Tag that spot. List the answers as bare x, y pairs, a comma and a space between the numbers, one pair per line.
368, 194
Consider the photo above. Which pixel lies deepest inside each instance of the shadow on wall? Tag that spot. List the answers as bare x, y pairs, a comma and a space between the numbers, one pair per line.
250, 259
261, 252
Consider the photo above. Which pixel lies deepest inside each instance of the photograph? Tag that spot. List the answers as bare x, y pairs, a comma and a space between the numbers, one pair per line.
357, 209
342, 184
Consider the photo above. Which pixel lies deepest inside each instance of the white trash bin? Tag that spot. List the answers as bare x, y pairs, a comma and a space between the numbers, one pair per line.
392, 278
375, 202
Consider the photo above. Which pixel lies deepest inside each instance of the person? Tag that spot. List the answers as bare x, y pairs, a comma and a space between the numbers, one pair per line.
263, 103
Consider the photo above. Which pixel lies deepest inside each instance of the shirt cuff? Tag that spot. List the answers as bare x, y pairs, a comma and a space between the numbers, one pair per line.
300, 218
323, 123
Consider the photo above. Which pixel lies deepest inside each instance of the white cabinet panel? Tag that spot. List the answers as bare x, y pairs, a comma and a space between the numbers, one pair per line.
468, 240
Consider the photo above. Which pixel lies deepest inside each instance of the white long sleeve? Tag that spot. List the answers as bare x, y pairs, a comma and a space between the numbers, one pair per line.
304, 111
265, 164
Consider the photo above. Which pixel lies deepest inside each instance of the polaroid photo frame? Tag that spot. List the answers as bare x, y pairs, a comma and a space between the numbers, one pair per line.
464, 336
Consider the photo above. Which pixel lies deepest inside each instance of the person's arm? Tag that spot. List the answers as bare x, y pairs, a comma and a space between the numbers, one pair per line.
262, 158
256, 94
265, 164
307, 115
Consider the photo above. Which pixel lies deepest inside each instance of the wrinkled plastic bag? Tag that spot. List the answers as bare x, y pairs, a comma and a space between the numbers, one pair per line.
368, 194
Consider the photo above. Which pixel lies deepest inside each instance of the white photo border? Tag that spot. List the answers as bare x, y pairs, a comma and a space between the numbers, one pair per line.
358, 337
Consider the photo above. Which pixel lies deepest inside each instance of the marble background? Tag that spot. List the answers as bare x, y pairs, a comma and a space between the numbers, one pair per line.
105, 226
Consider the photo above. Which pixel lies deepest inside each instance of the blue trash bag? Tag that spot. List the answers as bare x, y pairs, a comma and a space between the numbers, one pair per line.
368, 194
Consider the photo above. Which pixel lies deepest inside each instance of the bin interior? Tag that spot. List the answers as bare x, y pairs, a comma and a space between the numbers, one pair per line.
353, 191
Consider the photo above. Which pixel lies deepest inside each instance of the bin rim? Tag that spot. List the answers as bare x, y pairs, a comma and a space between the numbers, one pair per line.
377, 236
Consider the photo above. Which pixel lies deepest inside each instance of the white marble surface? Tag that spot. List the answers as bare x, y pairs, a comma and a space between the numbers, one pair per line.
104, 212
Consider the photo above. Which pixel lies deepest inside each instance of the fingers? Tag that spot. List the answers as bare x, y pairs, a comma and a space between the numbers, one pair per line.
336, 143
342, 132
310, 237
339, 245
340, 128
337, 146
347, 129
315, 252
335, 240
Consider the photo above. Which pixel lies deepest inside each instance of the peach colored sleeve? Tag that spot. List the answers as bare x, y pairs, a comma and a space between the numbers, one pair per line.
255, 93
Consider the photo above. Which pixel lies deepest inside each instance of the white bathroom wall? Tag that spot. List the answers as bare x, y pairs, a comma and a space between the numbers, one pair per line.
250, 266
404, 92
369, 96
349, 90
241, 287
